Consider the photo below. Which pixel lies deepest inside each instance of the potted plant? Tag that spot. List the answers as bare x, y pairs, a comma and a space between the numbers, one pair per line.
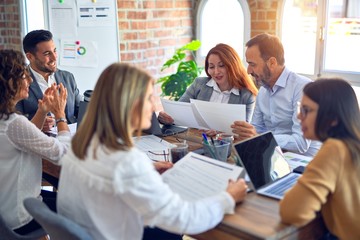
174, 85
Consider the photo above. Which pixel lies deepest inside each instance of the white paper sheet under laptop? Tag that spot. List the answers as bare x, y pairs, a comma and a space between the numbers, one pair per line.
196, 176
269, 172
204, 114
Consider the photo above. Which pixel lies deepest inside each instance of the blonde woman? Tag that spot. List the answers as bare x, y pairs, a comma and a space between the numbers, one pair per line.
112, 188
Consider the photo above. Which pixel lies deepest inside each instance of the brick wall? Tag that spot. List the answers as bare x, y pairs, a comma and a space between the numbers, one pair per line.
10, 26
264, 16
151, 30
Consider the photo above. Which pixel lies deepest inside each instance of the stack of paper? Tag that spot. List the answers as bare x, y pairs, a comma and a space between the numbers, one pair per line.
196, 176
205, 115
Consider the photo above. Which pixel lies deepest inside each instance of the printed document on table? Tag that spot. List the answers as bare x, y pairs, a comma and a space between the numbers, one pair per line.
295, 160
196, 176
156, 148
220, 116
184, 114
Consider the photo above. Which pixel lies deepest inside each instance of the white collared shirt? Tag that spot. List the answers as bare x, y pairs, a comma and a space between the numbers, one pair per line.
218, 95
43, 84
22, 146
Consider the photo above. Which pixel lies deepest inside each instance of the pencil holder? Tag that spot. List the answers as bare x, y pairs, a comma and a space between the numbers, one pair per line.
217, 149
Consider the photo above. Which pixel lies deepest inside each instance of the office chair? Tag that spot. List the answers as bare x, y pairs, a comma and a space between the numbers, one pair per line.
58, 227
8, 234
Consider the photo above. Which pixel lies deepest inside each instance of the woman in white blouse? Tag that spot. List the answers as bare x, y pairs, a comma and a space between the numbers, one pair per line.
23, 145
112, 188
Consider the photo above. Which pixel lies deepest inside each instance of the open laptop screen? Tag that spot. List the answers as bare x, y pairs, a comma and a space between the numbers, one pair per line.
262, 159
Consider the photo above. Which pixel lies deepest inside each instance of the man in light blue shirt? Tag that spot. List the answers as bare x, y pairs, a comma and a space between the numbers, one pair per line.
279, 94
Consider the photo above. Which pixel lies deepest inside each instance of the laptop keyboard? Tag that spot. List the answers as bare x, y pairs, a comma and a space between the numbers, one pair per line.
280, 188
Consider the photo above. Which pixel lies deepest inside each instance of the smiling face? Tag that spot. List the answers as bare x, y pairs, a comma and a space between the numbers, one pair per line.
218, 72
44, 59
257, 67
307, 115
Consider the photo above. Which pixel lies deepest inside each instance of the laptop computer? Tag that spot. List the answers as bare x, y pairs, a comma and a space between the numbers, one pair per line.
163, 130
267, 169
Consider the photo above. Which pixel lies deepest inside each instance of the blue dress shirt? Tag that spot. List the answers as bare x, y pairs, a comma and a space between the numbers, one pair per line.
276, 111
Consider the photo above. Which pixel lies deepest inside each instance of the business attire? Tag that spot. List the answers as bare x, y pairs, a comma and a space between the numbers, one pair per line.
204, 88
29, 106
276, 111
22, 147
115, 195
330, 184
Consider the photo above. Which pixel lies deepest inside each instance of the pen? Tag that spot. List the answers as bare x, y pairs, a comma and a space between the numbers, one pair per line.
213, 155
205, 139
216, 154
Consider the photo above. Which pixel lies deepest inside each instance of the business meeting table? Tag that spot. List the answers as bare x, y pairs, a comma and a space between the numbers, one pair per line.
257, 217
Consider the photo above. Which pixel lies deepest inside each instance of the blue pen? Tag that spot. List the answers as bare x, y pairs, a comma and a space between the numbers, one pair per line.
205, 139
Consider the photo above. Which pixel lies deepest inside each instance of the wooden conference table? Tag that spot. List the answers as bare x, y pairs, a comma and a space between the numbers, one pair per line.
255, 218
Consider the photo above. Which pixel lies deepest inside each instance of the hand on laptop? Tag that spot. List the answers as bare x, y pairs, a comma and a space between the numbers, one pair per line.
237, 190
243, 130
164, 118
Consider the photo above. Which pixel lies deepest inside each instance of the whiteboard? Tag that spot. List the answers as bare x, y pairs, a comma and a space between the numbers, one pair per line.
86, 36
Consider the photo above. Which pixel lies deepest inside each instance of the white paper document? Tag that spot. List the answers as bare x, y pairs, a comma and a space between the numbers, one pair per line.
204, 114
196, 176
156, 148
295, 160
220, 116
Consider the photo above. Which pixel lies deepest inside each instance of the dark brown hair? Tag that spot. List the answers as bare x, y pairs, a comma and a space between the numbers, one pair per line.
337, 103
12, 70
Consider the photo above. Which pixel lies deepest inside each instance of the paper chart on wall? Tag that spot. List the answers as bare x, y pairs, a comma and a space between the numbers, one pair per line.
79, 53
62, 19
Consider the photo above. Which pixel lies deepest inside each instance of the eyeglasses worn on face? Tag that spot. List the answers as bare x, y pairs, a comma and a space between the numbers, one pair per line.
304, 110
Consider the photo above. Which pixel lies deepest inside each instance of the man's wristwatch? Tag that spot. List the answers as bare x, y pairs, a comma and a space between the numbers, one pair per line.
61, 120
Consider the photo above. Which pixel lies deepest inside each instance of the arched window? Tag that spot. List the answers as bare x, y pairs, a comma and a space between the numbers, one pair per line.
33, 15
321, 38
222, 22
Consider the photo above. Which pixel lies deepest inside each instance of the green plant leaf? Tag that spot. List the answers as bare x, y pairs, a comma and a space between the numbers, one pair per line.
192, 46
174, 85
175, 58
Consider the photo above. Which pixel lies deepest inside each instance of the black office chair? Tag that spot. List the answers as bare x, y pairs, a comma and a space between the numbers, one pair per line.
58, 227
8, 234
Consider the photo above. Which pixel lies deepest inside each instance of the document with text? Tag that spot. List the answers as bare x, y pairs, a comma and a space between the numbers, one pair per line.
204, 114
196, 176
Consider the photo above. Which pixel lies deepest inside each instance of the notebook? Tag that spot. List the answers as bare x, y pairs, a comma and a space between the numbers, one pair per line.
267, 169
163, 130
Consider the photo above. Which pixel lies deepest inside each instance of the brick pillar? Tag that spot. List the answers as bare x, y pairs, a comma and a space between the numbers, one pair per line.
264, 16
150, 31
10, 25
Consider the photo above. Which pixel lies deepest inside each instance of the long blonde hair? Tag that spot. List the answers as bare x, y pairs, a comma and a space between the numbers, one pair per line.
118, 95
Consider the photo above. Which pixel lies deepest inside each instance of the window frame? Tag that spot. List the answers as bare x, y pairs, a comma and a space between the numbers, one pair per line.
247, 27
319, 71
